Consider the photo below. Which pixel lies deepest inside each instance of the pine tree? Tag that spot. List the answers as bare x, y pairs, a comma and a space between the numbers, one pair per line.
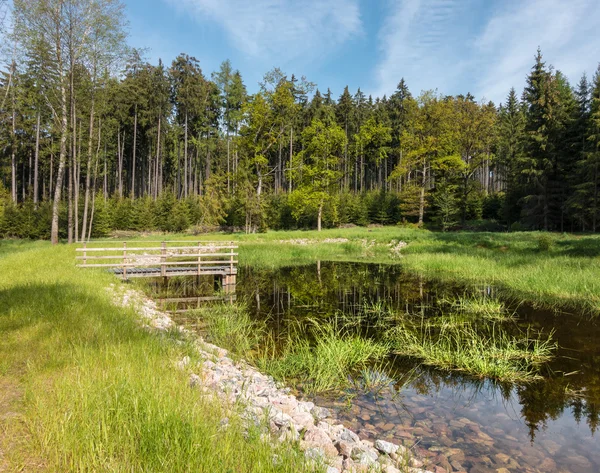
510, 144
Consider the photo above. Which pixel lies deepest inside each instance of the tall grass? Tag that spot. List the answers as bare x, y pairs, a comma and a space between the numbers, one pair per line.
483, 307
327, 363
95, 392
490, 353
231, 327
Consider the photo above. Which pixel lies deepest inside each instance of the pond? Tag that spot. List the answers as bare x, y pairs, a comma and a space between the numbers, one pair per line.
459, 422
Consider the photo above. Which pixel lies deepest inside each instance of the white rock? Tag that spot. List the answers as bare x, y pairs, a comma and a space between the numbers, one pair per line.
195, 380
386, 447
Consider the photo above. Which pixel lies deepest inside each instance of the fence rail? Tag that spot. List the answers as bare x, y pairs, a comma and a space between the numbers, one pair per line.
164, 259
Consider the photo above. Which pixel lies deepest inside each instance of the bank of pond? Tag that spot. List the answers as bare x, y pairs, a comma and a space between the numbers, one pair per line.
470, 379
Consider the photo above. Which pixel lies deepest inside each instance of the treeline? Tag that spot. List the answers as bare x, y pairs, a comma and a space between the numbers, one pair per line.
94, 138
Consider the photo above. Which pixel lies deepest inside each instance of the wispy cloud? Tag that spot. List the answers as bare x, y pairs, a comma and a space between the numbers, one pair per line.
567, 33
458, 46
418, 41
281, 30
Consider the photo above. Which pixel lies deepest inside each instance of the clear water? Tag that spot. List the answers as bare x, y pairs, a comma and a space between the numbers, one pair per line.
456, 422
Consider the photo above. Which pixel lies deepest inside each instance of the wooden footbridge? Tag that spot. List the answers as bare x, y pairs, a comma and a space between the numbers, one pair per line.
135, 259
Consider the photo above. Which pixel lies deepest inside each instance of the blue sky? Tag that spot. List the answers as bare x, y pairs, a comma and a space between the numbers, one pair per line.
456, 46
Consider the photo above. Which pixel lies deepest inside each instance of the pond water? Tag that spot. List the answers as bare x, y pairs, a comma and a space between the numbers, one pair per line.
457, 422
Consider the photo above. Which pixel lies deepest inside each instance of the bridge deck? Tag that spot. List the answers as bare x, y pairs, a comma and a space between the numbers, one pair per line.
150, 272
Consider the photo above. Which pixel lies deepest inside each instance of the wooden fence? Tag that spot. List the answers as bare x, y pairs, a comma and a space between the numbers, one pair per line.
164, 259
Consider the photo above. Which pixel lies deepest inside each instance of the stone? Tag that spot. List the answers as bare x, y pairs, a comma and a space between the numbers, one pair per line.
390, 469
183, 363
304, 406
349, 436
345, 448
303, 420
348, 464
195, 380
320, 413
332, 469
363, 458
386, 447
314, 434
314, 453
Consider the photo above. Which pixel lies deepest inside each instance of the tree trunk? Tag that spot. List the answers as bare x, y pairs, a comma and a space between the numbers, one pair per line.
422, 195
185, 157
61, 164
120, 162
70, 180
36, 162
157, 159
88, 171
228, 168
595, 207
320, 216
13, 147
134, 150
291, 156
207, 169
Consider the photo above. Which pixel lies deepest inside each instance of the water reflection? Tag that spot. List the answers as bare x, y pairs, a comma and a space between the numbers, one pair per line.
462, 424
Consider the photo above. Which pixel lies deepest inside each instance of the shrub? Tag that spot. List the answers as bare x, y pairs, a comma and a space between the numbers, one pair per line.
544, 242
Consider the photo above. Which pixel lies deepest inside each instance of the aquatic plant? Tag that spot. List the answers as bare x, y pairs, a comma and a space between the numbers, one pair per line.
488, 352
481, 306
231, 327
327, 363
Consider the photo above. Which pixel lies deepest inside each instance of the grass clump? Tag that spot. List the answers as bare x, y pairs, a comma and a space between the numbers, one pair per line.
544, 242
490, 353
327, 363
230, 326
480, 306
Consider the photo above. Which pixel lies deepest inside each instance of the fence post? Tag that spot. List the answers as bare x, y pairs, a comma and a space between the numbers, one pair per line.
199, 257
124, 260
84, 253
163, 259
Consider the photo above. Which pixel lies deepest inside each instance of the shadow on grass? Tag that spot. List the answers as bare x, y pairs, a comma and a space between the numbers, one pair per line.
76, 315
464, 243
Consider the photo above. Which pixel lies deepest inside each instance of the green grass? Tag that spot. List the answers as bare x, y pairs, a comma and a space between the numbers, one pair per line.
84, 388
491, 353
328, 363
481, 307
229, 326
547, 269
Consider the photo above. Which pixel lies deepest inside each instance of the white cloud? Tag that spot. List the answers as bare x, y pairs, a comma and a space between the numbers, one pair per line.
458, 47
417, 41
281, 30
567, 33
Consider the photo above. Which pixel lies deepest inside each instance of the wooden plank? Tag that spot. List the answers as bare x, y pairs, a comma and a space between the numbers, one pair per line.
156, 248
151, 264
156, 274
186, 255
181, 300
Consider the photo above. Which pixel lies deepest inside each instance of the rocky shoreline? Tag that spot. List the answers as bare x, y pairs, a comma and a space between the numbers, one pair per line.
284, 417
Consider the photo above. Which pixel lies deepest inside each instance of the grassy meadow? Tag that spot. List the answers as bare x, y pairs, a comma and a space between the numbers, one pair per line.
84, 388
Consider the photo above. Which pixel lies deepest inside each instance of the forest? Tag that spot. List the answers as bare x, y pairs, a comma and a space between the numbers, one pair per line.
94, 138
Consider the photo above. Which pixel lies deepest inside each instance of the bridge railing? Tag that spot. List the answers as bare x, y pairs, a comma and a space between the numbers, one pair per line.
166, 258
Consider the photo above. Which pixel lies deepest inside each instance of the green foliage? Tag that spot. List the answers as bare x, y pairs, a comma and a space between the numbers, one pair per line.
328, 364
446, 207
544, 242
480, 352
